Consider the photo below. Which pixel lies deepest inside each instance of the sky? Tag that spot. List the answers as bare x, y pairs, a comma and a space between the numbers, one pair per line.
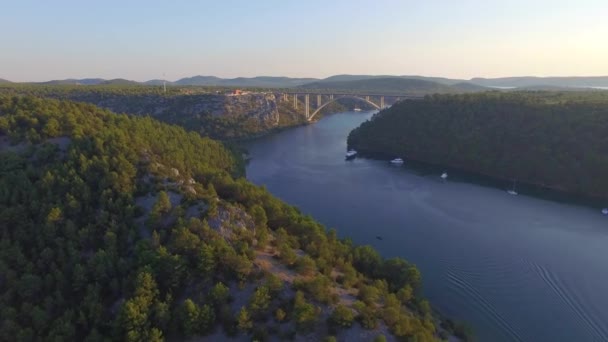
142, 40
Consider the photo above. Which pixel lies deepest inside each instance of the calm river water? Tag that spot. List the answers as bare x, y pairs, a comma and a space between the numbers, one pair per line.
517, 268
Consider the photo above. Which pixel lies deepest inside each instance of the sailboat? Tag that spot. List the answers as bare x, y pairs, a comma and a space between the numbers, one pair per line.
512, 190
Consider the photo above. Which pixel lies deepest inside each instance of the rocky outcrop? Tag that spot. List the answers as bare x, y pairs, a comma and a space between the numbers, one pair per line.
262, 106
220, 116
228, 219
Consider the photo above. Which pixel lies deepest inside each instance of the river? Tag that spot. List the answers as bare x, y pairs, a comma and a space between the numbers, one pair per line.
516, 268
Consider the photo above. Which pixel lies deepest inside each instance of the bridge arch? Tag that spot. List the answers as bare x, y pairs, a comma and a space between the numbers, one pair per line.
342, 97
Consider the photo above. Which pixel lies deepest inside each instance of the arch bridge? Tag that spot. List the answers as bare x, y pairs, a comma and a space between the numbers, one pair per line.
323, 100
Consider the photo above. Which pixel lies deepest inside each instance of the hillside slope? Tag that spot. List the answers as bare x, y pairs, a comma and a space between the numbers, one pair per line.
124, 228
207, 111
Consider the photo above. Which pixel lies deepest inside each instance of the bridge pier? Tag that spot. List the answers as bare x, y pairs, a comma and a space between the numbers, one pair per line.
367, 98
318, 100
381, 102
307, 105
295, 101
285, 97
331, 97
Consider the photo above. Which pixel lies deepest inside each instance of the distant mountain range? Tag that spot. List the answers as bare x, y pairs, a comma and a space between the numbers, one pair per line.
441, 80
382, 85
564, 82
260, 81
365, 82
90, 81
479, 83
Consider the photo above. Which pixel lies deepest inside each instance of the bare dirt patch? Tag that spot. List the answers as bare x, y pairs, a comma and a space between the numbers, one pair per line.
266, 261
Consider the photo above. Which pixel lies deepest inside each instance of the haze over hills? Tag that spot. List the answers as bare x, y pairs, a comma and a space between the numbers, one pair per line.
338, 81
259, 81
529, 81
510, 82
84, 81
441, 80
384, 85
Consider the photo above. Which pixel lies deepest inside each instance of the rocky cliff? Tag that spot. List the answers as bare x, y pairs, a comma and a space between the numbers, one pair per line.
216, 115
262, 107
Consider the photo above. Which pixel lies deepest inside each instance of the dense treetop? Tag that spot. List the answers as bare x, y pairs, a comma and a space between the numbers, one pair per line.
553, 139
123, 228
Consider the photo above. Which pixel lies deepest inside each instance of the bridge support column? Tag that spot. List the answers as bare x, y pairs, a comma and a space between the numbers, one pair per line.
367, 98
285, 97
307, 105
331, 97
381, 102
295, 101
318, 100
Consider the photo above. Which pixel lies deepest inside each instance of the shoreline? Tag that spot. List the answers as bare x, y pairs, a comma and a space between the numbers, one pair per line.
552, 193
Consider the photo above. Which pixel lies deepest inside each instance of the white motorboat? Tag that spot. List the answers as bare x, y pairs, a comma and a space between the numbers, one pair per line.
444, 175
397, 161
351, 154
512, 191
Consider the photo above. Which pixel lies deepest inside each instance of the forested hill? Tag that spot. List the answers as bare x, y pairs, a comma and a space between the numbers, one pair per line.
206, 110
123, 228
557, 140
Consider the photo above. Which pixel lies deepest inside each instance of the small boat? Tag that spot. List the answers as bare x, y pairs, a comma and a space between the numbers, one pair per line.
605, 211
397, 161
512, 191
350, 154
378, 237
357, 109
444, 175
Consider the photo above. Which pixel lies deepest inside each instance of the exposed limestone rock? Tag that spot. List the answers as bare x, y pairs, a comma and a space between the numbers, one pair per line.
262, 106
229, 218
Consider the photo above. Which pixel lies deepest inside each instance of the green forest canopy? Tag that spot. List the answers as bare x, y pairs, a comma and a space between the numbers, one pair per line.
557, 140
82, 259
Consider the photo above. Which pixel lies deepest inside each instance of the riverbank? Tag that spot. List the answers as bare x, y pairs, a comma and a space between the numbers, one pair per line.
474, 177
550, 140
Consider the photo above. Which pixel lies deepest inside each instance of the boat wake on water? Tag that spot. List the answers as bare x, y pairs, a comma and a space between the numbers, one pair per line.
571, 299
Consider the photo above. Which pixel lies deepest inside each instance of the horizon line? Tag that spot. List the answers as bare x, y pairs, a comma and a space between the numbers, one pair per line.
315, 78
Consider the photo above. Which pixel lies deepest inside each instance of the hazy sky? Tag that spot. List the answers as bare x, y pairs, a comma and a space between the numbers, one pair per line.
141, 40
